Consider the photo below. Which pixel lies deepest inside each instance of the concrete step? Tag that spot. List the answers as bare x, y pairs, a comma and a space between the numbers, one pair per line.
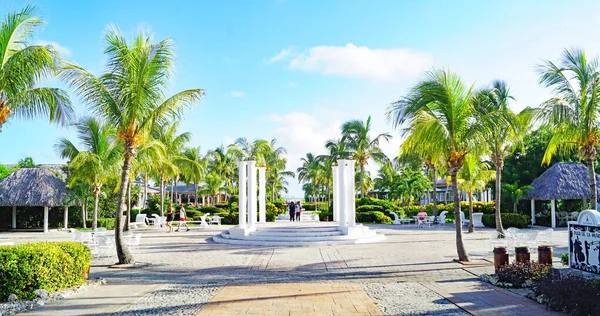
270, 243
299, 229
294, 233
304, 237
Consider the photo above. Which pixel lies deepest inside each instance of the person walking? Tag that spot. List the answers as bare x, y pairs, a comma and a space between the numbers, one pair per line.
182, 218
170, 217
298, 208
292, 211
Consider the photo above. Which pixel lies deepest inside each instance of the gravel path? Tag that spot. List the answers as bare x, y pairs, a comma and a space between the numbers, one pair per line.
173, 299
409, 298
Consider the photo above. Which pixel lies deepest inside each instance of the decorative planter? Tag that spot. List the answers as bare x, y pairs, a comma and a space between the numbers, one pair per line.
500, 257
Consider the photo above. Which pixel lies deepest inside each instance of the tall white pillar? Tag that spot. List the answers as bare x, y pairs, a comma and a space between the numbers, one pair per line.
351, 204
343, 192
14, 217
262, 195
66, 219
532, 212
553, 212
252, 194
45, 219
242, 194
336, 194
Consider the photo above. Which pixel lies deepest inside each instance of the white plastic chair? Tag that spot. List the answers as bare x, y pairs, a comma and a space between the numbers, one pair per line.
140, 220
531, 241
100, 245
429, 221
464, 220
497, 242
442, 218
203, 222
158, 221
133, 242
545, 236
215, 220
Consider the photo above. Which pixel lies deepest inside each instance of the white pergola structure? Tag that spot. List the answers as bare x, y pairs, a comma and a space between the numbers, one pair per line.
344, 208
251, 205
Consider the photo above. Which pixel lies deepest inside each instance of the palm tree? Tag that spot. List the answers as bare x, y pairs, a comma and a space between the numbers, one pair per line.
474, 177
96, 162
573, 113
504, 132
193, 166
312, 171
356, 135
516, 192
213, 185
167, 134
130, 95
223, 162
79, 194
441, 119
22, 67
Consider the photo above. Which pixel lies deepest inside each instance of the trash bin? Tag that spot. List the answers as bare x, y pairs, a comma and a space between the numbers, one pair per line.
522, 254
500, 257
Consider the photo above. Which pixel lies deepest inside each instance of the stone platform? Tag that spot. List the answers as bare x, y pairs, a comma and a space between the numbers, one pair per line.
299, 234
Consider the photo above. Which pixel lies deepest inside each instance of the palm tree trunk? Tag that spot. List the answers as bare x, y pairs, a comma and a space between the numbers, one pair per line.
145, 191
83, 218
128, 211
592, 177
175, 189
123, 253
362, 181
162, 196
460, 246
471, 226
95, 214
196, 194
499, 227
435, 210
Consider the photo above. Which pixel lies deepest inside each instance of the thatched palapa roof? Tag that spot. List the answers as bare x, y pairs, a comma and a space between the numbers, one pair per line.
563, 181
32, 187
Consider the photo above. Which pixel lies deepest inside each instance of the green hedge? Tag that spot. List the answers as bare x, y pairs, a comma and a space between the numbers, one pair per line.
228, 218
373, 217
108, 223
508, 220
45, 265
369, 208
209, 209
386, 206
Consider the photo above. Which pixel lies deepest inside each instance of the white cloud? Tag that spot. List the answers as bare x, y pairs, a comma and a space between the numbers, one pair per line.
62, 50
283, 54
358, 61
238, 94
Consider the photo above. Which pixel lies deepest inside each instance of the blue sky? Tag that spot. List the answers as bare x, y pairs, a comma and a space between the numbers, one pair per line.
295, 70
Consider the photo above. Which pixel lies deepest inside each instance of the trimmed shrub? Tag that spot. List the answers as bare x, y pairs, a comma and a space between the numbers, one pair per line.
108, 223
570, 293
222, 205
229, 218
386, 206
508, 220
369, 208
373, 217
273, 209
209, 209
45, 265
270, 216
520, 274
191, 213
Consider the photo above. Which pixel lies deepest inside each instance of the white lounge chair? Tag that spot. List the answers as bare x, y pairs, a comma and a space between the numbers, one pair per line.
442, 218
215, 220
140, 222
396, 219
463, 219
203, 222
158, 221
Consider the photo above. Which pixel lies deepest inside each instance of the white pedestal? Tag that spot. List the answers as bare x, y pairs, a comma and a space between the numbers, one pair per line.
239, 232
354, 231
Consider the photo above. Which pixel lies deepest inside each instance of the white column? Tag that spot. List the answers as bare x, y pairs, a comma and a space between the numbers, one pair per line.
532, 212
342, 195
351, 204
242, 194
66, 219
553, 212
336, 194
262, 195
14, 217
252, 194
45, 219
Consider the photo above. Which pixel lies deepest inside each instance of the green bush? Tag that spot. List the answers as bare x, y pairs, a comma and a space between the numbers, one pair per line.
508, 220
386, 206
369, 208
192, 213
222, 205
373, 217
209, 209
228, 218
274, 209
271, 216
45, 265
108, 223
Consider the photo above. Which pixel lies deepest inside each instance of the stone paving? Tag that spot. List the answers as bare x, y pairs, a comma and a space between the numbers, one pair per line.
410, 273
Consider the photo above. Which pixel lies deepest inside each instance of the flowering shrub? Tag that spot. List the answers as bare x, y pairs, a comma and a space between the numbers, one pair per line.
569, 293
520, 274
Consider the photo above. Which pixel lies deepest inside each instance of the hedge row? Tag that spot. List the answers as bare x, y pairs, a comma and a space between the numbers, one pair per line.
44, 265
508, 220
373, 217
108, 223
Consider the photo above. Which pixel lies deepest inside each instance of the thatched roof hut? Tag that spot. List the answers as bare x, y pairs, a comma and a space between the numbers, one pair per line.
32, 187
41, 187
563, 181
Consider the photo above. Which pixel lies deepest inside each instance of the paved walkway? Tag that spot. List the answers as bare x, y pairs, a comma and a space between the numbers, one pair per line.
410, 273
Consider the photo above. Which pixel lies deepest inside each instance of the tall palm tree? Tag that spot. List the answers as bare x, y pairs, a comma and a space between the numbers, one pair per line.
441, 119
473, 177
312, 171
193, 166
22, 66
130, 95
362, 148
223, 162
573, 113
213, 185
98, 160
504, 130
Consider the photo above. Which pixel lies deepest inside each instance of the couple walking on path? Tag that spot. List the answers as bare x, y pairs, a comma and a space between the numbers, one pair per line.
295, 210
170, 218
